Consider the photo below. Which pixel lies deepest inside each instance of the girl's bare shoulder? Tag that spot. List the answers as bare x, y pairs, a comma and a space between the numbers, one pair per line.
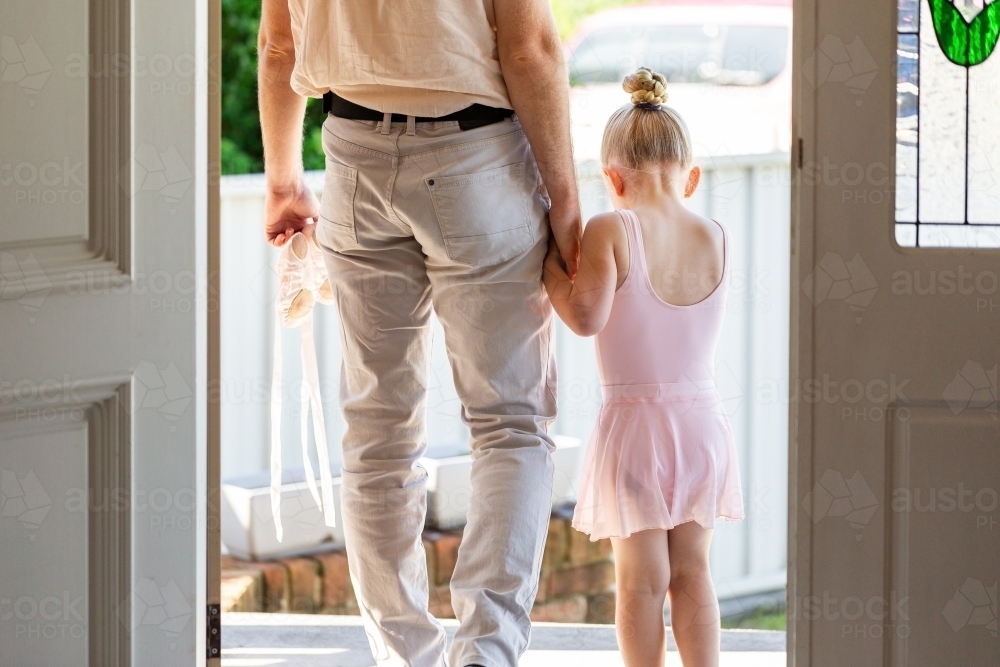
606, 232
704, 236
705, 229
606, 223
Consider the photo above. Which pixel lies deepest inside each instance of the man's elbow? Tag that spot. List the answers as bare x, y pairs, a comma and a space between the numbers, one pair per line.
275, 49
530, 52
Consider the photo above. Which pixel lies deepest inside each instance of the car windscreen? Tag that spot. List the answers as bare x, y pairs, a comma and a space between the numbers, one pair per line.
720, 54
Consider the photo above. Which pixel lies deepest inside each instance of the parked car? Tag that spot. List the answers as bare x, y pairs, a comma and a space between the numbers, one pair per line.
726, 61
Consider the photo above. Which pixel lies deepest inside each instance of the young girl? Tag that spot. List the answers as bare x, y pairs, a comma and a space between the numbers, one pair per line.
661, 466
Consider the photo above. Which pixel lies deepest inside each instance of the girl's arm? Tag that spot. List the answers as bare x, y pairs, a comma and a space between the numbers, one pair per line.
585, 305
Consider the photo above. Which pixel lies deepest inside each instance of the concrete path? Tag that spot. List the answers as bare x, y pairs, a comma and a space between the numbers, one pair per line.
306, 640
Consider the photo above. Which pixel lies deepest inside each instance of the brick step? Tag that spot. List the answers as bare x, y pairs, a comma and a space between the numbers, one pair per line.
576, 585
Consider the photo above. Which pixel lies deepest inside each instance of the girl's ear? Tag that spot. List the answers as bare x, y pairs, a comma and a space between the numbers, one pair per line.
694, 178
615, 179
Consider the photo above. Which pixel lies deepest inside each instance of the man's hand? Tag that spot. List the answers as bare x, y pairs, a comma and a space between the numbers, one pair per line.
289, 211
567, 232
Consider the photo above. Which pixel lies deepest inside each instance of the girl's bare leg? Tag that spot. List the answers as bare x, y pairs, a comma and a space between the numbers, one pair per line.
642, 571
694, 608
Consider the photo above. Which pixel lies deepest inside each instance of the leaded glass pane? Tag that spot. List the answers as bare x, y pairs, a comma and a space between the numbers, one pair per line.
948, 123
906, 235
909, 15
907, 99
959, 236
984, 142
941, 179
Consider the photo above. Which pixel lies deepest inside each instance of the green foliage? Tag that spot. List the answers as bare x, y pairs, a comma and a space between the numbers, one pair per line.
569, 13
242, 149
759, 620
313, 156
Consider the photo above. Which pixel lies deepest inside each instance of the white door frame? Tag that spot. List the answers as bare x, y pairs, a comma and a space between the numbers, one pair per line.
800, 326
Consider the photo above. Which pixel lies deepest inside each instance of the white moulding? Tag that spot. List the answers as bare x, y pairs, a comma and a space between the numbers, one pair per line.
248, 527
449, 483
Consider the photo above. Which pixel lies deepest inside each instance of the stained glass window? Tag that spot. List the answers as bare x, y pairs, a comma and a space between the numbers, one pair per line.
948, 124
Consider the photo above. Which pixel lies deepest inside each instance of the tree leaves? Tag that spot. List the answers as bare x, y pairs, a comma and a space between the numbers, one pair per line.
242, 147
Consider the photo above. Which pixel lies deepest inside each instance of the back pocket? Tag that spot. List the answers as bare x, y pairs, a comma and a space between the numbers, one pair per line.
336, 211
483, 216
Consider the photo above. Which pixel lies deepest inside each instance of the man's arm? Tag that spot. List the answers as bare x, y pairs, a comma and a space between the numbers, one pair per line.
290, 205
531, 57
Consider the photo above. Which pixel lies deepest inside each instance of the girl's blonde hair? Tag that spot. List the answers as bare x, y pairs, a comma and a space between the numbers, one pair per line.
646, 131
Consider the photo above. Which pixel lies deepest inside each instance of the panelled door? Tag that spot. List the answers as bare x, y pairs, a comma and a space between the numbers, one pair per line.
895, 441
104, 330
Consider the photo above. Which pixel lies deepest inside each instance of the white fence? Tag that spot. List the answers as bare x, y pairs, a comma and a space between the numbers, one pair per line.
748, 193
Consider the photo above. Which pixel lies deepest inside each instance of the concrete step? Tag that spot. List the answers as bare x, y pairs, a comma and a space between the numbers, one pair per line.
315, 640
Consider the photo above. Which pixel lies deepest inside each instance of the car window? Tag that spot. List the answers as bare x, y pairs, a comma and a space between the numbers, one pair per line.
719, 54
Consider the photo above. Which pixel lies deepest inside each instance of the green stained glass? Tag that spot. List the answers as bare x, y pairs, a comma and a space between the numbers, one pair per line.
966, 42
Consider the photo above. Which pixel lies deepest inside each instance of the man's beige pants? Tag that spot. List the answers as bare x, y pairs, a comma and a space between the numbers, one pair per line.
415, 217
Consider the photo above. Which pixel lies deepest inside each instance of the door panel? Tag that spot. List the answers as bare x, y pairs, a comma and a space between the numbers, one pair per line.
104, 323
888, 404
943, 510
44, 187
45, 590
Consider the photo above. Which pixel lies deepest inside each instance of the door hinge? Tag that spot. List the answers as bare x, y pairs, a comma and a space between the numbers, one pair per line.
213, 643
801, 153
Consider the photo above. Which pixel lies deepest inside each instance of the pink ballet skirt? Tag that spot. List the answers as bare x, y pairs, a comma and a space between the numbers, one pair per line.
662, 451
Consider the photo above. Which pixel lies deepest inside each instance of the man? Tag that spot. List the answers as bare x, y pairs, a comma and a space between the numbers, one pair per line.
436, 194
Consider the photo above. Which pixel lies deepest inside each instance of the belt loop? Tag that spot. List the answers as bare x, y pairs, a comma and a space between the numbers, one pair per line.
411, 125
386, 123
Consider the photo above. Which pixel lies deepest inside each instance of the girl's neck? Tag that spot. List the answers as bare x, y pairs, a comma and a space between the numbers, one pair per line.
655, 190
661, 203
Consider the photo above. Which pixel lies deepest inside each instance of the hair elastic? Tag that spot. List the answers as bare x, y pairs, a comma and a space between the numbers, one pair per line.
647, 105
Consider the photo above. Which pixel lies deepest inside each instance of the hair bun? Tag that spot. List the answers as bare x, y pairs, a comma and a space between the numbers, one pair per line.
646, 86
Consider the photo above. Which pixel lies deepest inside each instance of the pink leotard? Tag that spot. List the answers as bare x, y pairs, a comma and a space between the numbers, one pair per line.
662, 452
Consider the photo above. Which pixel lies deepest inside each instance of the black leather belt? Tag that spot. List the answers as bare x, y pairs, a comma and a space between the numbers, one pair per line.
469, 118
